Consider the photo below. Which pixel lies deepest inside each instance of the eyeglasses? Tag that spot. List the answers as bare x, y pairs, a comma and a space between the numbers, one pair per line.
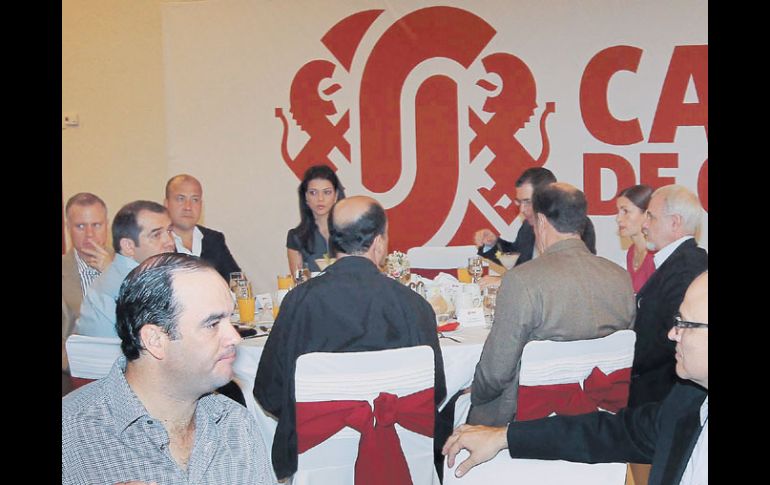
679, 323
520, 202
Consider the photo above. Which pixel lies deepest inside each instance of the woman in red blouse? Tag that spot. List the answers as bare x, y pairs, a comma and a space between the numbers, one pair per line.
632, 204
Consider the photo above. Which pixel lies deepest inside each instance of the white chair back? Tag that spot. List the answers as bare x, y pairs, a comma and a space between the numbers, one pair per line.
547, 362
92, 357
440, 257
326, 376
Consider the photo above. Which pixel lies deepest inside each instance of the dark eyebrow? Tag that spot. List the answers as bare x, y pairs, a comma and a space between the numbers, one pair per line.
213, 318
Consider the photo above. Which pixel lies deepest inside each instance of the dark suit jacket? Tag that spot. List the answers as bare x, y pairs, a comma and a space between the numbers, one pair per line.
215, 251
662, 433
524, 245
351, 307
653, 372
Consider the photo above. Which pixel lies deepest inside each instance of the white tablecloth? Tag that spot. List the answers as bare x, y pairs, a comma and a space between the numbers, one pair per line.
459, 365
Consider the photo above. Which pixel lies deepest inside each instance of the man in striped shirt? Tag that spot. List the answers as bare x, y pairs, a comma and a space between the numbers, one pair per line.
88, 257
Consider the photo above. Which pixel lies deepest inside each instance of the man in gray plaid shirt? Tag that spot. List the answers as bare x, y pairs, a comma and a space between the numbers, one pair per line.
153, 418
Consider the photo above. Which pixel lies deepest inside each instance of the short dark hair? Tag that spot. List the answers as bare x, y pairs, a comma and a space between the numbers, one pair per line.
147, 296
537, 176
83, 199
184, 178
566, 210
357, 236
125, 224
639, 195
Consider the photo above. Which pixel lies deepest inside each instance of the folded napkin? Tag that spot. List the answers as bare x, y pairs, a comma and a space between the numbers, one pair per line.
448, 327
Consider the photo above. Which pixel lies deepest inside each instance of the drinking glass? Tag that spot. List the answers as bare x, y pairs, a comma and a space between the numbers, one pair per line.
490, 300
245, 301
463, 276
235, 276
475, 268
285, 282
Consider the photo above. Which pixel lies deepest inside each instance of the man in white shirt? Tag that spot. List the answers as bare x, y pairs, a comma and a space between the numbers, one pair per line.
184, 201
672, 434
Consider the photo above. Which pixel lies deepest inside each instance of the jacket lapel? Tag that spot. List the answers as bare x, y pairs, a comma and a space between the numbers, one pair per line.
685, 435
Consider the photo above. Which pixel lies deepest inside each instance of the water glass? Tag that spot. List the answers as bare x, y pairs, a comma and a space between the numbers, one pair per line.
475, 268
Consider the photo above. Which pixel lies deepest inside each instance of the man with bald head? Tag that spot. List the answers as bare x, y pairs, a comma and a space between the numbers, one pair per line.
566, 293
673, 216
184, 201
671, 434
352, 306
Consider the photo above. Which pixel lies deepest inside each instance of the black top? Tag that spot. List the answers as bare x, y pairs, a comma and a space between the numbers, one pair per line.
351, 307
319, 248
215, 251
524, 245
662, 433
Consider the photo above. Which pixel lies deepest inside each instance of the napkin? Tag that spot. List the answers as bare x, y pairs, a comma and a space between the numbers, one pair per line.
448, 327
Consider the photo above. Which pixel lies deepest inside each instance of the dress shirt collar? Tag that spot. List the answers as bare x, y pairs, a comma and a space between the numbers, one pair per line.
351, 263
197, 245
704, 411
566, 245
662, 255
127, 408
124, 264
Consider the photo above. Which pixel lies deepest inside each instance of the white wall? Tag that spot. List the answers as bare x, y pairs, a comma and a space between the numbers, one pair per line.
112, 77
167, 87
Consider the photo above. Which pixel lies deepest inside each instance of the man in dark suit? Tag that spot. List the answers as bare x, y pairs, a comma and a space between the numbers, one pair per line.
673, 216
524, 244
671, 434
184, 201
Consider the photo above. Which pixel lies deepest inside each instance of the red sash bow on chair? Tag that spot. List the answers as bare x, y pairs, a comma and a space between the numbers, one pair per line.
380, 459
599, 390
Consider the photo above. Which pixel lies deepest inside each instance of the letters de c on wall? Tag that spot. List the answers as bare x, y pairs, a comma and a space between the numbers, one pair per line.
436, 109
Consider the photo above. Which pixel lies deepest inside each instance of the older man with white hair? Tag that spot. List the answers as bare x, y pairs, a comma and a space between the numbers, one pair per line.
673, 217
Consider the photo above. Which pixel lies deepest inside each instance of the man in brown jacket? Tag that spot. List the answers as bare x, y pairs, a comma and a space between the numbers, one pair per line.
567, 293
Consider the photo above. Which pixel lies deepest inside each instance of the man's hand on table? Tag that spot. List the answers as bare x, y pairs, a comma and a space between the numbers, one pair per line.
483, 443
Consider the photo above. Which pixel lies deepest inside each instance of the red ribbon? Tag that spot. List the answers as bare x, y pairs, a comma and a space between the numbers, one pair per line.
380, 459
599, 390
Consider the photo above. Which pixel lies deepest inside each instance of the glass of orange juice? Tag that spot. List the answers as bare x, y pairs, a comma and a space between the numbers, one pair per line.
285, 282
246, 309
277, 299
463, 276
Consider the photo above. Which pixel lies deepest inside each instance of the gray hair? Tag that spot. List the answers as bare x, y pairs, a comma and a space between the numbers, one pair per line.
678, 199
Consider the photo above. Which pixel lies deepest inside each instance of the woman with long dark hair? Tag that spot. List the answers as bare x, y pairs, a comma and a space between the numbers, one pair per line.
319, 190
632, 204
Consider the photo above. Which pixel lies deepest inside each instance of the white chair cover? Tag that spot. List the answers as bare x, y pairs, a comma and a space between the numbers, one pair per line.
326, 376
92, 357
547, 362
440, 257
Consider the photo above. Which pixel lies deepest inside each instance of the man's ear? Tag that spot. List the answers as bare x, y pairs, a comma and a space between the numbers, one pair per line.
154, 340
676, 222
127, 247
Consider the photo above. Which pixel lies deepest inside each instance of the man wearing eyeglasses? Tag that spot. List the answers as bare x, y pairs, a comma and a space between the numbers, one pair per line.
673, 216
524, 244
488, 243
671, 434
140, 229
